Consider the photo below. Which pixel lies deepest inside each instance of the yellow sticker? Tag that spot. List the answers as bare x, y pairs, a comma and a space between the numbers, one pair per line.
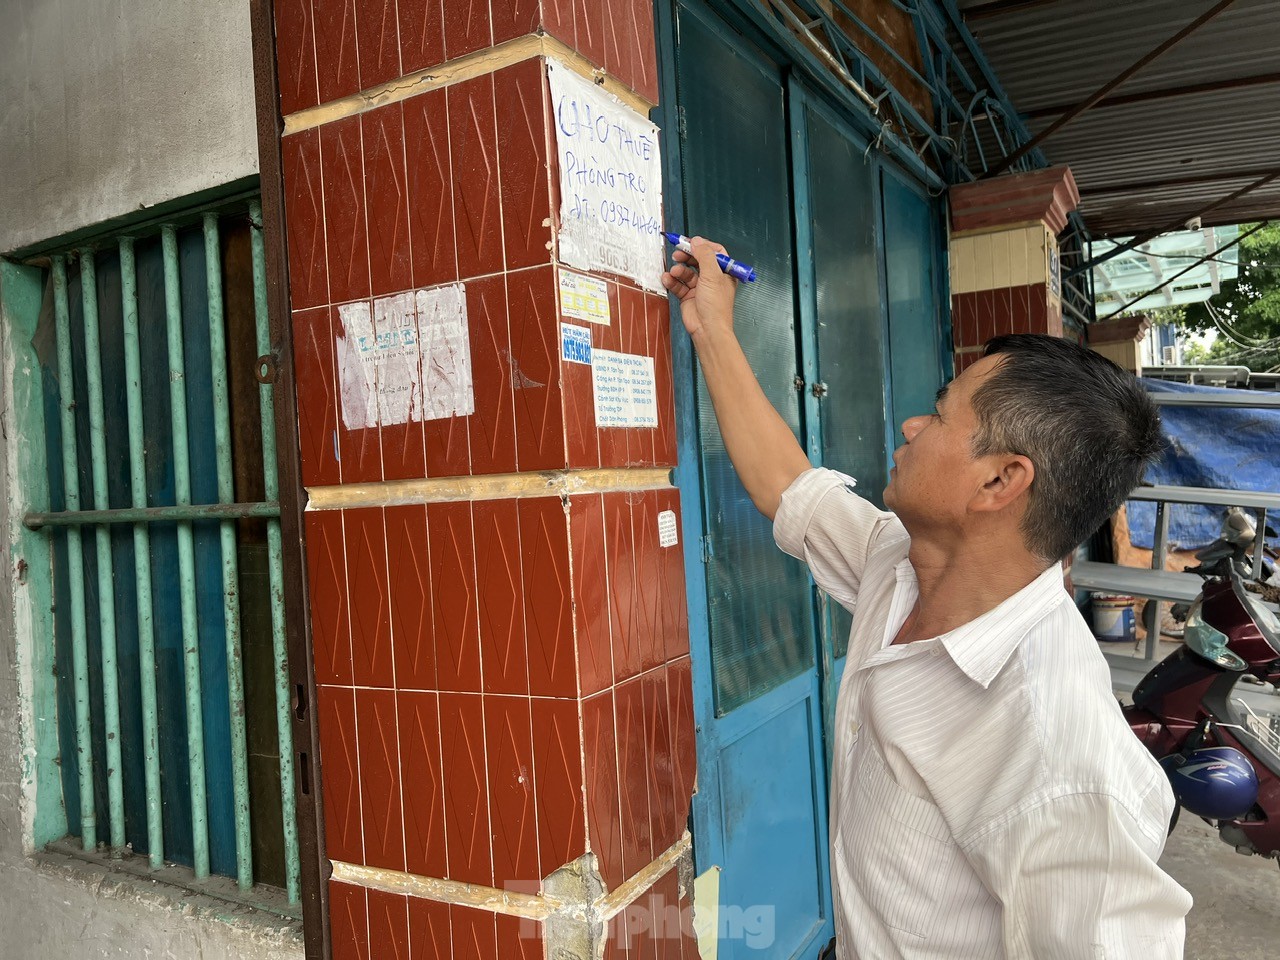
583, 298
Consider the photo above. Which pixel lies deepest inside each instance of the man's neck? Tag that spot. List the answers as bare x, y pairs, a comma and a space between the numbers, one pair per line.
960, 582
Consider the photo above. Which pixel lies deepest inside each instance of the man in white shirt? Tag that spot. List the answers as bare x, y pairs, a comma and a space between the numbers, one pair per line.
987, 798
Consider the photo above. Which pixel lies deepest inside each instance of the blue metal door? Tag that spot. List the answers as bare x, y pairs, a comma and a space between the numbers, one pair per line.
784, 181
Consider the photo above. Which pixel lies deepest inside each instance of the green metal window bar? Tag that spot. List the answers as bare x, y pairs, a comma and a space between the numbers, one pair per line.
98, 521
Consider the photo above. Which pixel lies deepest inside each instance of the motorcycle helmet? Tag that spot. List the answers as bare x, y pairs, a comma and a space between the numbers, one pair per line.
1218, 783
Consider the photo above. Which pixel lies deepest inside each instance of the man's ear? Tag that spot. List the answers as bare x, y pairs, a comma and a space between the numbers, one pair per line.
1011, 477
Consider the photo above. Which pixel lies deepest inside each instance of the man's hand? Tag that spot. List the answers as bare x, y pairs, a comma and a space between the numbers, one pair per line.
761, 445
706, 299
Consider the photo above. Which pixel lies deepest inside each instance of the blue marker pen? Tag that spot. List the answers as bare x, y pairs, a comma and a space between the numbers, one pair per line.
739, 271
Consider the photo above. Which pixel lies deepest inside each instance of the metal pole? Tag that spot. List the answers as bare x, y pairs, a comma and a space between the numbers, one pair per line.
1259, 542
142, 556
1106, 88
1156, 289
1160, 549
102, 538
193, 511
275, 565
75, 557
230, 557
186, 554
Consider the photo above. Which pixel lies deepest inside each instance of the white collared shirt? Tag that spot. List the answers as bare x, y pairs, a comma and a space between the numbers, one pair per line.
987, 797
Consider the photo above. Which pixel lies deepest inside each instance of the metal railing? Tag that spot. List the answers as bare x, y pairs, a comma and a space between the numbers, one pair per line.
182, 514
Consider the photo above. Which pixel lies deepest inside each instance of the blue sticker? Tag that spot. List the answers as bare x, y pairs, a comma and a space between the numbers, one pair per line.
575, 343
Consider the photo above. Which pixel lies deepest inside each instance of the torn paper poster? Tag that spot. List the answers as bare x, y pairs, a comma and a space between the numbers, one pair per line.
405, 358
583, 298
610, 181
668, 535
624, 389
575, 343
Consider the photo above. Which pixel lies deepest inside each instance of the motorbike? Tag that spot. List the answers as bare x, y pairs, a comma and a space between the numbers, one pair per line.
1192, 711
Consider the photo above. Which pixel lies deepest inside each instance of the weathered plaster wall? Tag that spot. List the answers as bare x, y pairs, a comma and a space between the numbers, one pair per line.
109, 106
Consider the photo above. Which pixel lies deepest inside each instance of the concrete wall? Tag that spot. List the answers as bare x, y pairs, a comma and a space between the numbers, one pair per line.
109, 106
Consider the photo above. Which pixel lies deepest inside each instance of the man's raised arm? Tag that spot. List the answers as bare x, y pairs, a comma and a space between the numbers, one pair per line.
762, 447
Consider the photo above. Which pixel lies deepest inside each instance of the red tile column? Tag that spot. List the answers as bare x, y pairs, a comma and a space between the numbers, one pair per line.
1004, 257
505, 699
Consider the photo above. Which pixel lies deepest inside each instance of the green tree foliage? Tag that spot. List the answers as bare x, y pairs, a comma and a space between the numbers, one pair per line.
1249, 306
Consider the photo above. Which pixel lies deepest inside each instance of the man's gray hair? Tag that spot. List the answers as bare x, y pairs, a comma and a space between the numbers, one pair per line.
1086, 425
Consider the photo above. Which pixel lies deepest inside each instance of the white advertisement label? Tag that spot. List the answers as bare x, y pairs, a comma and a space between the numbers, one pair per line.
625, 395
610, 181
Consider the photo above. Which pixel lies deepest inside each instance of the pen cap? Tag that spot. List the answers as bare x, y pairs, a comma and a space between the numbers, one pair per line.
739, 271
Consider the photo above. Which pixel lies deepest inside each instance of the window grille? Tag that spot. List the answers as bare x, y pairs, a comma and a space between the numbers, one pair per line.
169, 643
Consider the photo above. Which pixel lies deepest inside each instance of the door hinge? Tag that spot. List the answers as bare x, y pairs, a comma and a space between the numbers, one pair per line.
708, 551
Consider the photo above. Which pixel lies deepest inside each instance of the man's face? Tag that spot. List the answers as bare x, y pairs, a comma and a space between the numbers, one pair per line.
934, 474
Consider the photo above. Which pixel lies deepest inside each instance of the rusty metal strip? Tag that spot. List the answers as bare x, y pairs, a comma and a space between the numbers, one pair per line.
502, 486
467, 67
614, 902
509, 902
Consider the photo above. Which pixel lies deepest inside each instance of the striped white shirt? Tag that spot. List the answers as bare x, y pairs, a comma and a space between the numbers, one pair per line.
987, 797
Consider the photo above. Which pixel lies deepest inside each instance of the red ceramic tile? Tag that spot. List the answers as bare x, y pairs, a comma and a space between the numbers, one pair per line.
466, 28
638, 930
548, 611
1004, 310
621, 45
339, 774
369, 597
378, 41
582, 439
557, 757
665, 916
466, 789
519, 939
615, 944
474, 156
448, 447
453, 576
474, 933
327, 594
688, 942
1039, 308
986, 303
492, 427
590, 593
401, 433
388, 925
645, 75
387, 199
514, 18
509, 748
380, 807
315, 377
359, 448
557, 19
649, 581
666, 814
683, 737
348, 922
533, 313
304, 219
600, 753
295, 55
345, 229
1021, 309
429, 934
658, 314
430, 178
421, 34
520, 95
588, 25
623, 590
420, 771
335, 28
964, 320
633, 773
673, 609
409, 566
500, 590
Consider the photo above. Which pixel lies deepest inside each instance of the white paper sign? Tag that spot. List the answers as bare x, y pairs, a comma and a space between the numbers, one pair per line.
405, 358
668, 536
624, 389
575, 343
583, 298
610, 181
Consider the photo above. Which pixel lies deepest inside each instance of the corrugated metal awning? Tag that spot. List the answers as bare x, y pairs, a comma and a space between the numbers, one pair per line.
1198, 124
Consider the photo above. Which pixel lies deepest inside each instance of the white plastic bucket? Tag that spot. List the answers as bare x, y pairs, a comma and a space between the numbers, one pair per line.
1113, 618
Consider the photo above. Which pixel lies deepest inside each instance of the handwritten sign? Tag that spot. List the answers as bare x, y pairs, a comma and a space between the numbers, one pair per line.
624, 389
610, 181
405, 358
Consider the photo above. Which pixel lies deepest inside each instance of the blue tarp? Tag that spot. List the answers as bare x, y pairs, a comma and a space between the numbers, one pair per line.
1230, 448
